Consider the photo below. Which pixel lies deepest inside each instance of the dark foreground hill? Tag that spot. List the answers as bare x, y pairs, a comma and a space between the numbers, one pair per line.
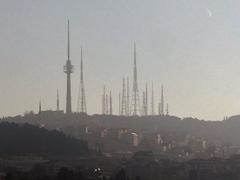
16, 139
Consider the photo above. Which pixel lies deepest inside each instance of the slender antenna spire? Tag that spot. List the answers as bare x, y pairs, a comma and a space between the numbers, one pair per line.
68, 42
159, 108
110, 102
144, 104
39, 107
82, 105
152, 103
167, 110
119, 103
162, 101
58, 101
123, 111
128, 101
81, 66
135, 55
146, 100
104, 100
135, 95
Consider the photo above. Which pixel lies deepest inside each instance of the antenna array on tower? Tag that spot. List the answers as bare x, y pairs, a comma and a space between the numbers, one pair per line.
125, 107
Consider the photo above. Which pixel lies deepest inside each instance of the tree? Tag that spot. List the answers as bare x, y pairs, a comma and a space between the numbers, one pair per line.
121, 175
64, 174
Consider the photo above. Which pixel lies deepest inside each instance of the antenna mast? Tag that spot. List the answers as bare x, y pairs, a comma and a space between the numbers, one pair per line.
82, 105
135, 95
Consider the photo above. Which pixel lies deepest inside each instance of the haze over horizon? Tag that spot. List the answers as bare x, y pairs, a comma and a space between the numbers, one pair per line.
191, 47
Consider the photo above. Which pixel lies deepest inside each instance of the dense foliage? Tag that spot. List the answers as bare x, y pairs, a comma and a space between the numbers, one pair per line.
28, 139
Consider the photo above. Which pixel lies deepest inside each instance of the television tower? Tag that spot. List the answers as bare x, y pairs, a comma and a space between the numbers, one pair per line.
82, 105
135, 95
68, 69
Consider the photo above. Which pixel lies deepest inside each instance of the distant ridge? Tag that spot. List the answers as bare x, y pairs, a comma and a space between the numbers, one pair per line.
226, 131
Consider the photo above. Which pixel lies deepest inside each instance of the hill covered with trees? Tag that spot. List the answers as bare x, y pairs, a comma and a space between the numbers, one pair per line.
21, 139
226, 131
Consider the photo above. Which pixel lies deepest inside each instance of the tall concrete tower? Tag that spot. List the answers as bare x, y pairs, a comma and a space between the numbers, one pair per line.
82, 104
135, 96
68, 69
58, 101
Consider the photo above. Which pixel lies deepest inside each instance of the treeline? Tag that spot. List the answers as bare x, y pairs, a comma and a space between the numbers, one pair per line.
168, 174
16, 139
40, 173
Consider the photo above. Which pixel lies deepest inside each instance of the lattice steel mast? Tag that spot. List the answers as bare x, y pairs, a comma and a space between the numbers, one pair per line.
82, 104
135, 91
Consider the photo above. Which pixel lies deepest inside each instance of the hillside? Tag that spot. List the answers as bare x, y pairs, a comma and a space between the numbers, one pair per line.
18, 139
226, 131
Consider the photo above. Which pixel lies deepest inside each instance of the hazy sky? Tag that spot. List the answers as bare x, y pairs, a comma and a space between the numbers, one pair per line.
191, 46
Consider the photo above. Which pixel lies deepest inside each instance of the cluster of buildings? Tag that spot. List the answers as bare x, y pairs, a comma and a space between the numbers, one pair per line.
124, 141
